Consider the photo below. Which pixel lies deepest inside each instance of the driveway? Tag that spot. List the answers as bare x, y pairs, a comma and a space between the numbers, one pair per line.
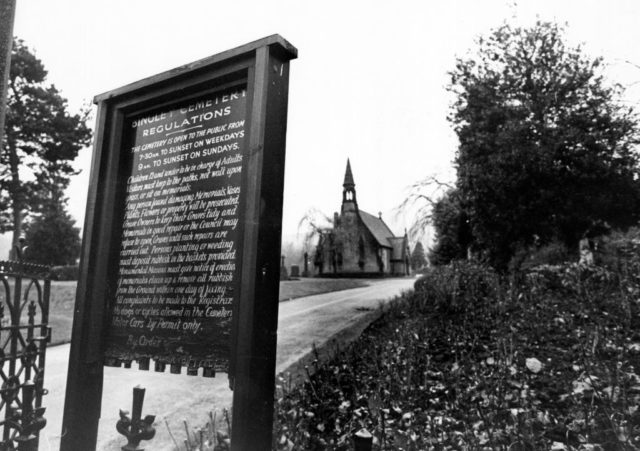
302, 323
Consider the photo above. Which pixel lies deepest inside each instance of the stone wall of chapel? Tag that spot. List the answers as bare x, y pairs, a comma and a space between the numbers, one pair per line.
342, 251
349, 235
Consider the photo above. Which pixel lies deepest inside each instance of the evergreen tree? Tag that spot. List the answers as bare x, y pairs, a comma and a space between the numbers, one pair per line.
418, 258
41, 140
52, 237
546, 148
452, 231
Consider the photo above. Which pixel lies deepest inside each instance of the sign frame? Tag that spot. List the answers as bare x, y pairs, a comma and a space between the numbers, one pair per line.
264, 66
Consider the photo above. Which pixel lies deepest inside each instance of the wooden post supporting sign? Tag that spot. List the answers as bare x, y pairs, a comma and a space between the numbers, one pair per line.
7, 15
181, 248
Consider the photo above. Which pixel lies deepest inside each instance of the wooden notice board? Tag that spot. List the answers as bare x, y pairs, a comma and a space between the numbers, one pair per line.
180, 234
180, 258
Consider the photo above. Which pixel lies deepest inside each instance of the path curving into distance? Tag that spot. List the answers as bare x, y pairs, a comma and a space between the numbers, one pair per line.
302, 323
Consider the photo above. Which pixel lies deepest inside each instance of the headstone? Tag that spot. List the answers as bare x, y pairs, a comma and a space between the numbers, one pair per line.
305, 273
586, 252
295, 271
283, 270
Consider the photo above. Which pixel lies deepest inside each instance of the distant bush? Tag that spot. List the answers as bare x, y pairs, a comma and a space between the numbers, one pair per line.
617, 267
554, 253
456, 287
70, 272
620, 251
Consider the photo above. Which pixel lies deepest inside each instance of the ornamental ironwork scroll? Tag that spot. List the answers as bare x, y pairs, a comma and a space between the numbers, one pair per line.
24, 334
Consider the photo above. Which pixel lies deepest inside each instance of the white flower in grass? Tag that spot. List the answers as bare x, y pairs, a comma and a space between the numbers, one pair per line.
344, 406
534, 365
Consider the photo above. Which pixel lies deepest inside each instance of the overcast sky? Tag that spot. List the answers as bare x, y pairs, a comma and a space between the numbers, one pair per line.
369, 83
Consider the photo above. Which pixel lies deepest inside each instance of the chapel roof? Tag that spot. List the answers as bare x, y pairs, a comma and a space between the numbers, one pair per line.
377, 227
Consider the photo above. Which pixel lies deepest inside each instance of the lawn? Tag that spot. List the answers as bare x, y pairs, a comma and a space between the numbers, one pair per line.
292, 289
63, 295
61, 304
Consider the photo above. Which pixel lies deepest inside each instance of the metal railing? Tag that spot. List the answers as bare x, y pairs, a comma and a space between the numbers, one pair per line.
24, 334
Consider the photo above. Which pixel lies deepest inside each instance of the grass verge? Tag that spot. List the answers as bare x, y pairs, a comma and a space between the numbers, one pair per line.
291, 289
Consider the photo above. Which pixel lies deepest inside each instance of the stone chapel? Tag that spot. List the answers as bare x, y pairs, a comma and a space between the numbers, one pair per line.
359, 244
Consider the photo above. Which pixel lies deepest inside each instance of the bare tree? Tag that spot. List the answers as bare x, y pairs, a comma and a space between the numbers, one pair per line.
423, 196
310, 226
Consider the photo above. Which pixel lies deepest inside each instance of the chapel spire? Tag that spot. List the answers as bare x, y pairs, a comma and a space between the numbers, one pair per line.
349, 191
348, 177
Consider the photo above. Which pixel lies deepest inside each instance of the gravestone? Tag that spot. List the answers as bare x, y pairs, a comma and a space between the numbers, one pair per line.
305, 272
283, 269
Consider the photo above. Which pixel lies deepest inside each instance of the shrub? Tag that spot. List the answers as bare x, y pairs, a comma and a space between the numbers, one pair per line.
457, 287
554, 253
620, 252
70, 272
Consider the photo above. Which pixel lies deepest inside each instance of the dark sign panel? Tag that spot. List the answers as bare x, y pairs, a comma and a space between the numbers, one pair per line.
180, 234
181, 247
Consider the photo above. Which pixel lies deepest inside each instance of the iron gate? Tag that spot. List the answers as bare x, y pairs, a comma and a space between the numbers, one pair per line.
24, 334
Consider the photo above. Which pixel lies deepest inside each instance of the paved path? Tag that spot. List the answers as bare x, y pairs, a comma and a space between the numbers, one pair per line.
302, 323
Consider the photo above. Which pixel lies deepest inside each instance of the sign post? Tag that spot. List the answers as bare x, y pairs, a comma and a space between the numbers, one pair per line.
180, 259
7, 15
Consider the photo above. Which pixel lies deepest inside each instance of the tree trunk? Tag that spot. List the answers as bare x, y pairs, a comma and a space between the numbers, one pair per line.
17, 232
16, 198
